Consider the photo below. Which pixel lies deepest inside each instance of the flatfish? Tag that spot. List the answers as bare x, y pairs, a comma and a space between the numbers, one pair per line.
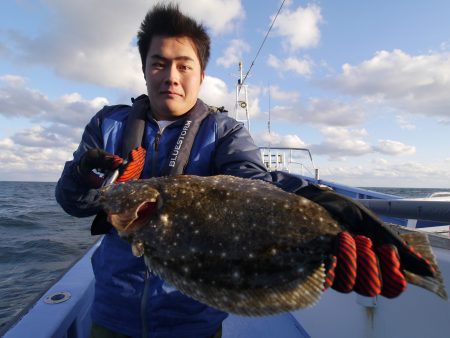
243, 246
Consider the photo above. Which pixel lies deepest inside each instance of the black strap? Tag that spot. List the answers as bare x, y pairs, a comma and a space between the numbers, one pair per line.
134, 130
133, 137
181, 152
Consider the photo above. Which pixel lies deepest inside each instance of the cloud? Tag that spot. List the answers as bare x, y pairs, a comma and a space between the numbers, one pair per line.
233, 53
299, 66
321, 112
398, 174
276, 140
18, 100
279, 94
390, 147
379, 161
22, 163
341, 142
299, 28
403, 123
295, 160
79, 44
412, 84
53, 136
214, 91
38, 153
218, 15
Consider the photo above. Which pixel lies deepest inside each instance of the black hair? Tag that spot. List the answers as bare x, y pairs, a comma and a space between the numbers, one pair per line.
168, 20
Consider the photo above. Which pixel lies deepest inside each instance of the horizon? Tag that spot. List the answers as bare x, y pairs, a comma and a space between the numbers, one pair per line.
361, 187
364, 86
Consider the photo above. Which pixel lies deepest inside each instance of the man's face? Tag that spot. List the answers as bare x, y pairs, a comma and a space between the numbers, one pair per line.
173, 75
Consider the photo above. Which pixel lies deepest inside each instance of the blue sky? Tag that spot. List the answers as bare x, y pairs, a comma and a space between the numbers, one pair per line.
364, 85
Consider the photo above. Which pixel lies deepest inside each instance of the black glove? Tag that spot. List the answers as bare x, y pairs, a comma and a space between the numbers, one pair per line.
382, 253
130, 170
134, 166
99, 160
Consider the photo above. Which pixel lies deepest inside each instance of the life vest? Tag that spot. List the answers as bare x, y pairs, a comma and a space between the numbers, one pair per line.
133, 137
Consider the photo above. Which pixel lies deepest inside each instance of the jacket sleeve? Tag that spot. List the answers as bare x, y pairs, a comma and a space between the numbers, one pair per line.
72, 191
238, 155
235, 153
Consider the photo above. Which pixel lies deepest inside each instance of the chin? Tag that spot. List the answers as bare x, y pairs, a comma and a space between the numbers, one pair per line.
174, 110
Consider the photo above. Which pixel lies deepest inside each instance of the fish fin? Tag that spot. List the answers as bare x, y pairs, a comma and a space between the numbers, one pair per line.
137, 248
419, 241
254, 302
148, 264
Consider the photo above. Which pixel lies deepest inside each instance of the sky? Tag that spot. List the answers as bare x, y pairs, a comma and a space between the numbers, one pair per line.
364, 85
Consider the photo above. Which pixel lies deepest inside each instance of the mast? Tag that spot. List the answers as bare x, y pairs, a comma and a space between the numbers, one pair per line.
268, 124
241, 106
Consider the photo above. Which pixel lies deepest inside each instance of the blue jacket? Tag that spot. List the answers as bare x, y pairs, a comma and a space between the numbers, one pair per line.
126, 299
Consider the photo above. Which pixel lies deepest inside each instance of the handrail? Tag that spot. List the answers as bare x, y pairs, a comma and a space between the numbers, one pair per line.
268, 151
430, 210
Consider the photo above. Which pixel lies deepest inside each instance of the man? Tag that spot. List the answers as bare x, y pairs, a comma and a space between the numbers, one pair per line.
174, 51
180, 135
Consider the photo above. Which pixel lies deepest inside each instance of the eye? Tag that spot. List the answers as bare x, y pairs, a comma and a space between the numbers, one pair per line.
184, 67
157, 65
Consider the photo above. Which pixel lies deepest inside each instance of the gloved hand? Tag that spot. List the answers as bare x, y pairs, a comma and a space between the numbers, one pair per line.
131, 169
357, 266
106, 163
100, 160
369, 256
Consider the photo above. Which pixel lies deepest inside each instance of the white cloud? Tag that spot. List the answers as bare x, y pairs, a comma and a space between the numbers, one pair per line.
413, 84
6, 144
81, 45
299, 66
279, 94
390, 147
33, 164
341, 142
70, 109
214, 91
219, 15
233, 53
321, 112
277, 140
380, 161
385, 174
48, 137
403, 123
299, 28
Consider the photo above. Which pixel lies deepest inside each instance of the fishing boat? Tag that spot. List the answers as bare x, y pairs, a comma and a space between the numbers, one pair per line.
63, 311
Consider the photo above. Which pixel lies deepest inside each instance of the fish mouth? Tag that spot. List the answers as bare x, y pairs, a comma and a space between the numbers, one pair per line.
134, 219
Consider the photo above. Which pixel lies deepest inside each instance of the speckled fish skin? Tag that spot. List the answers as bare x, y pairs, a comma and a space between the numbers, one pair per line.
242, 246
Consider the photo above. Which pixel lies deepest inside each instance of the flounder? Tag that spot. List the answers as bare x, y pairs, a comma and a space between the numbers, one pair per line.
239, 245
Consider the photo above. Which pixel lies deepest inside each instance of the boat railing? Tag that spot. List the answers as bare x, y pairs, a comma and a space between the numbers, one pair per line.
292, 160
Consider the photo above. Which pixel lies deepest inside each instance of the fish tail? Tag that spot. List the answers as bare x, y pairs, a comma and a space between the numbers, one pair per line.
419, 246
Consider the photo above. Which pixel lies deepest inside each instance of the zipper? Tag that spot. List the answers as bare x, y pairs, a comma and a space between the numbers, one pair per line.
155, 152
145, 332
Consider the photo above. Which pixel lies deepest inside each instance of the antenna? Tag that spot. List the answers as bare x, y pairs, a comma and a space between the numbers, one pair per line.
262, 44
241, 106
268, 123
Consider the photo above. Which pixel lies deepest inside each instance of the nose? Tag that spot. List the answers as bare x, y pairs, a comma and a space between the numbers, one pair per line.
172, 75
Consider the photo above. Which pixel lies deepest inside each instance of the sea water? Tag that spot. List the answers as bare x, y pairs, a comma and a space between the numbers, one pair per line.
39, 241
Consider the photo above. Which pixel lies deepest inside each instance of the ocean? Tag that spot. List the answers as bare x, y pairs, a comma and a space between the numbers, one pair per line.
39, 241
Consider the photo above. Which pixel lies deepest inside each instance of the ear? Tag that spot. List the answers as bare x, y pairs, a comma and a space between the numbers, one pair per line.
202, 77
